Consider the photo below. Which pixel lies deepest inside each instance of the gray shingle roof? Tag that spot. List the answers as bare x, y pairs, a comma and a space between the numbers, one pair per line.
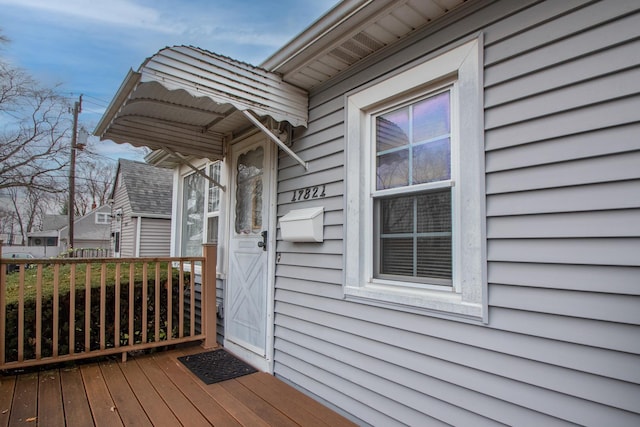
149, 188
54, 222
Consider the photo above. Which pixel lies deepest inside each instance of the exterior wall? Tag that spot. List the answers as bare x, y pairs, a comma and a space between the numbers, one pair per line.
155, 237
123, 224
128, 236
562, 160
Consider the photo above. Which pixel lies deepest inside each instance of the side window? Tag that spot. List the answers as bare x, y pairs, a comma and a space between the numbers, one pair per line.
213, 204
102, 218
192, 215
415, 188
200, 209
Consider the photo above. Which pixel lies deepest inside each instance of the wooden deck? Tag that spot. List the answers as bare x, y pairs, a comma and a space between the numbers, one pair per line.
153, 390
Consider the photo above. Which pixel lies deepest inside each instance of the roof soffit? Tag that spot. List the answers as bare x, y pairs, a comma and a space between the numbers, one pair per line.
352, 31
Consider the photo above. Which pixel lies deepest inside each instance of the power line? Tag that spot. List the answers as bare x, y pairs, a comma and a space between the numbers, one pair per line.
83, 178
102, 101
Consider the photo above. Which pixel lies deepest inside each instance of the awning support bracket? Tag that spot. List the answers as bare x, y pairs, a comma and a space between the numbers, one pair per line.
186, 162
275, 139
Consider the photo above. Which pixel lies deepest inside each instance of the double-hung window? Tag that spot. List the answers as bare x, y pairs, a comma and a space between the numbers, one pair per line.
415, 188
412, 191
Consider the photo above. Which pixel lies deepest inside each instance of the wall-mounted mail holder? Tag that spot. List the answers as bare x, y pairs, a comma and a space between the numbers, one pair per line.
303, 225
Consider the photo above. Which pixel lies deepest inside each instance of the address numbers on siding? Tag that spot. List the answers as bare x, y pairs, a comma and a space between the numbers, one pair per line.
308, 193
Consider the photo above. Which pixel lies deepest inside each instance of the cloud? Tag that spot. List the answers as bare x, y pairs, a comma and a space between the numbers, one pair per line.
115, 12
108, 149
88, 46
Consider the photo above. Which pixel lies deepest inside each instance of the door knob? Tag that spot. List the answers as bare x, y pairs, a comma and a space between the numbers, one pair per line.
263, 244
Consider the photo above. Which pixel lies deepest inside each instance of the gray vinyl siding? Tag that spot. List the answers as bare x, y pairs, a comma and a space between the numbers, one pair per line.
128, 236
562, 343
155, 237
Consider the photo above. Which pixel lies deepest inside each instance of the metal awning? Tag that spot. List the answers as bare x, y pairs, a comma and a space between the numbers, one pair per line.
189, 100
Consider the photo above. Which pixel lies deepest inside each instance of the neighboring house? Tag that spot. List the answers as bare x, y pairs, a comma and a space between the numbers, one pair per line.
141, 210
90, 231
449, 231
48, 235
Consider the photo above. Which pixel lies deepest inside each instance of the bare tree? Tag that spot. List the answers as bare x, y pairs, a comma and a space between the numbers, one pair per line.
7, 224
34, 127
94, 181
29, 206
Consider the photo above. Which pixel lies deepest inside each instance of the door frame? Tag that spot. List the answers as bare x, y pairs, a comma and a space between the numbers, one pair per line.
264, 364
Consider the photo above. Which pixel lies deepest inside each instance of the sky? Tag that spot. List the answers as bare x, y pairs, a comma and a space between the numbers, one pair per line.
88, 46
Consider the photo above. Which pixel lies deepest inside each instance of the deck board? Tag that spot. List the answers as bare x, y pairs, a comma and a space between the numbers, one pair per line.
208, 406
158, 412
265, 411
25, 408
287, 393
126, 403
50, 408
153, 390
297, 413
100, 401
76, 404
7, 387
187, 414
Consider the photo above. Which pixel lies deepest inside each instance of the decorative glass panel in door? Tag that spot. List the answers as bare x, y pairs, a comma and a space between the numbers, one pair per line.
249, 192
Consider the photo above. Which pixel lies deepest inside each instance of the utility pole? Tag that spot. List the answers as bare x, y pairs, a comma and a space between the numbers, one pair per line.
77, 108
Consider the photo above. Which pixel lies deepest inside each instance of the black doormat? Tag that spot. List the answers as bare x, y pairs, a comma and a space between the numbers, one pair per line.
215, 366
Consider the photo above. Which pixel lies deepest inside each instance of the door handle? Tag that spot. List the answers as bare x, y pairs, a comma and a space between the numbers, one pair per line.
263, 244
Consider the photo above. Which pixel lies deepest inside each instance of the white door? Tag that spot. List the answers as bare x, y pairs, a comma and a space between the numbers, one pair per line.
248, 294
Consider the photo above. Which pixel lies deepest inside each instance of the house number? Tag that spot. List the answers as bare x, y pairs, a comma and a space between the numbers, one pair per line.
308, 193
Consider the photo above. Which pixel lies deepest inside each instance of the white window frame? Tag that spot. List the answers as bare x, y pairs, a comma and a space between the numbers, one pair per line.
103, 218
466, 298
209, 187
181, 174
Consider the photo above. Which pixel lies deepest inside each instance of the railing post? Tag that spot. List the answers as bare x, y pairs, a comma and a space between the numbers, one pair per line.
210, 253
3, 308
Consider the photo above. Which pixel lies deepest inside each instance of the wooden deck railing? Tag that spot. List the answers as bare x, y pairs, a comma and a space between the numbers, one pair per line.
67, 309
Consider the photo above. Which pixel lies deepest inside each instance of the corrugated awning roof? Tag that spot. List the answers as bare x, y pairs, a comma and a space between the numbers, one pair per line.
188, 99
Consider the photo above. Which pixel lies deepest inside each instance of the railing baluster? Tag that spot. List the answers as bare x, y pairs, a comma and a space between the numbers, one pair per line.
3, 308
21, 314
192, 302
56, 309
131, 302
169, 302
87, 308
72, 308
39, 313
145, 284
208, 295
156, 306
181, 301
103, 305
117, 291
